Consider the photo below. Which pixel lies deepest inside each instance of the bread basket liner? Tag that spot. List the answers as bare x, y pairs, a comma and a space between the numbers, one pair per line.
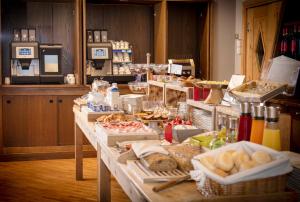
279, 166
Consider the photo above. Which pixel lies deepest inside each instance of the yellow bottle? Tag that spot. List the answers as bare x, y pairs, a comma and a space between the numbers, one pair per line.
271, 137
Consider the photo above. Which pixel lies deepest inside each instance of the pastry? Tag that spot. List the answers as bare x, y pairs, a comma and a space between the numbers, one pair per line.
159, 162
224, 161
261, 157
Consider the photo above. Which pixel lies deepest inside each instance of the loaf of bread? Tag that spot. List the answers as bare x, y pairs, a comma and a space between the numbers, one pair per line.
183, 155
159, 162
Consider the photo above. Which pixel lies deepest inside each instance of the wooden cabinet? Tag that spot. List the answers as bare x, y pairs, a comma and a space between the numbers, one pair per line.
38, 120
29, 121
65, 120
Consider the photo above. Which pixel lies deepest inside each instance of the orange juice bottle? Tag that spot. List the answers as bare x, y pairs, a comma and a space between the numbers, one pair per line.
258, 124
271, 136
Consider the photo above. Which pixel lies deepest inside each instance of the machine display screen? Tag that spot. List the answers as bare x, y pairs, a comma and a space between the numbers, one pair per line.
99, 53
24, 52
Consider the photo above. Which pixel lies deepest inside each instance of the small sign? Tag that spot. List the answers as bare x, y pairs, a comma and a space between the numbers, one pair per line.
175, 69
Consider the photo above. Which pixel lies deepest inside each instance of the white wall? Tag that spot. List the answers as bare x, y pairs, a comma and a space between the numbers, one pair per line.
223, 39
227, 30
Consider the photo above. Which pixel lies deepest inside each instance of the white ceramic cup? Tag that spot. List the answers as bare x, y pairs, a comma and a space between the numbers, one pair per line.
70, 79
7, 81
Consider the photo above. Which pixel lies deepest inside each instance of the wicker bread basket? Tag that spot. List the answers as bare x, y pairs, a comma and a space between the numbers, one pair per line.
260, 186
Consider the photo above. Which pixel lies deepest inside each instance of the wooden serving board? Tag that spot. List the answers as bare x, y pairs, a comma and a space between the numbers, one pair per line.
92, 116
110, 139
146, 175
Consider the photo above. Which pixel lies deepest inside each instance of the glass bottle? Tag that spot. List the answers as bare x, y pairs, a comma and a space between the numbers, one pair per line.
258, 124
222, 124
232, 130
245, 122
271, 136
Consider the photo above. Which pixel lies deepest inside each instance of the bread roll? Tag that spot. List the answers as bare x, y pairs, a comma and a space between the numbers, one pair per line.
239, 157
224, 161
208, 162
234, 170
220, 172
261, 157
159, 162
247, 165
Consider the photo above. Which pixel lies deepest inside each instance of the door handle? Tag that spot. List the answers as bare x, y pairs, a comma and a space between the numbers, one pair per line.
8, 101
60, 101
51, 101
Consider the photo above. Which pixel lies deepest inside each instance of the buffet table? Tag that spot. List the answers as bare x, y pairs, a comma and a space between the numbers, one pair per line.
107, 164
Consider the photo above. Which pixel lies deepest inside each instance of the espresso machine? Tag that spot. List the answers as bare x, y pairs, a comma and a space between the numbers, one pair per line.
99, 61
24, 63
50, 67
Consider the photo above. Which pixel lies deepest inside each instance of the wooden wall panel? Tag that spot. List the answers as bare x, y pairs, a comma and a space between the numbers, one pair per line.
64, 32
53, 21
15, 16
160, 32
133, 23
185, 31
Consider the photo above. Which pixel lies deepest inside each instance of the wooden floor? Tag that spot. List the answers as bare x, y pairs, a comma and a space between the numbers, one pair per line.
51, 180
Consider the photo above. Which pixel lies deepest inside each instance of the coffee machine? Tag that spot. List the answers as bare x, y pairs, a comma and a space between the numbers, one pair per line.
24, 63
50, 67
99, 61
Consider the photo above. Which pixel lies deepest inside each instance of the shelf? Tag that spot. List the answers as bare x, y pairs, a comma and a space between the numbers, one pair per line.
156, 83
178, 87
122, 50
122, 62
228, 111
201, 105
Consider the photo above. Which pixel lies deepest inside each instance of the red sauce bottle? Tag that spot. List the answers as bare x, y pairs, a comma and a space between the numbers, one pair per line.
245, 122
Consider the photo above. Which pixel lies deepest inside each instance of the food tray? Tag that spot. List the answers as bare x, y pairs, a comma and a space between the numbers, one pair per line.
241, 94
146, 175
92, 116
111, 139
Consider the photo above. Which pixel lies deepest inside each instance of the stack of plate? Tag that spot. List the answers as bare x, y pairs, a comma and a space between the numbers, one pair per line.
202, 119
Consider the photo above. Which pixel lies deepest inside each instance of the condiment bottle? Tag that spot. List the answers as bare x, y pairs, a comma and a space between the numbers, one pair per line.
258, 124
271, 135
222, 124
245, 122
232, 130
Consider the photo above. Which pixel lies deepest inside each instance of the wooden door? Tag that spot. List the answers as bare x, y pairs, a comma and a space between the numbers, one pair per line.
65, 120
260, 37
15, 122
29, 121
42, 117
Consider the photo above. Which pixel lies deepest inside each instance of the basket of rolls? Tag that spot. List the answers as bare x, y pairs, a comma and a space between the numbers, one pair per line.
240, 168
